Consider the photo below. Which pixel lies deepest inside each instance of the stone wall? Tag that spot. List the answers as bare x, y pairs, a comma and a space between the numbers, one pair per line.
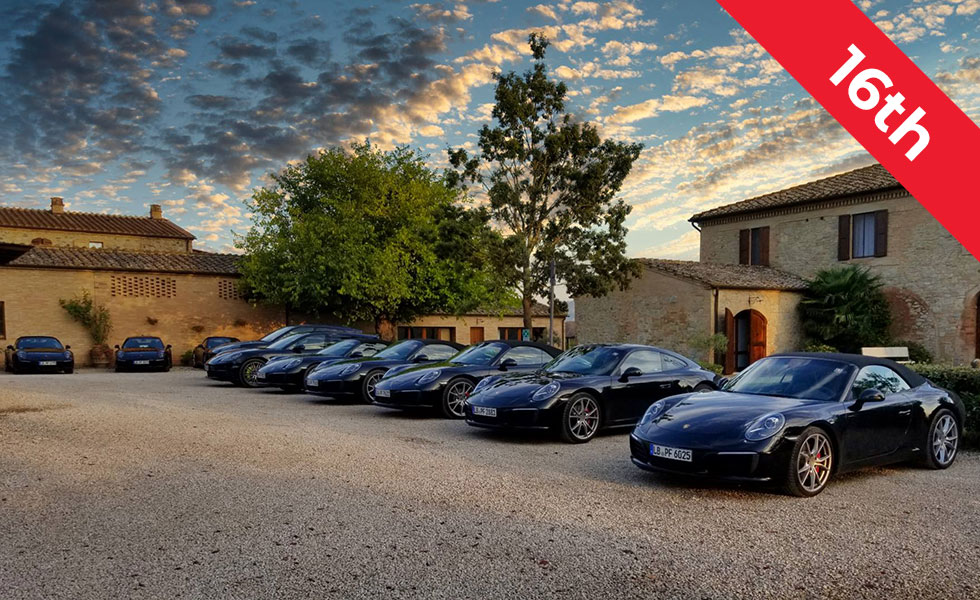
932, 281
74, 239
783, 332
657, 309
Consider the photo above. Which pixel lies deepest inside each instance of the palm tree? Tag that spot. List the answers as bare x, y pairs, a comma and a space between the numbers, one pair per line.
845, 308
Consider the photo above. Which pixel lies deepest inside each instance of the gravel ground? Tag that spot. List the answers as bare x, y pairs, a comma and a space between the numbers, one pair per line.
172, 486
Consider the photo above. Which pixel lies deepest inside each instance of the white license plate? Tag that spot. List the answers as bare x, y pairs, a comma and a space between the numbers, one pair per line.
47, 363
141, 362
312, 383
484, 411
382, 393
671, 453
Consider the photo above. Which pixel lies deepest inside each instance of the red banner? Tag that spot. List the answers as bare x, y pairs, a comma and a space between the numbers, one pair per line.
878, 94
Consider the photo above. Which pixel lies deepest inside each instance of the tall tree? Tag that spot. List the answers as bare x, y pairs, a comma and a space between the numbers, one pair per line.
369, 235
552, 183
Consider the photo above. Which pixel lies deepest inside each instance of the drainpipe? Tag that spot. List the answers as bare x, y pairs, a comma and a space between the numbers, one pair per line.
715, 322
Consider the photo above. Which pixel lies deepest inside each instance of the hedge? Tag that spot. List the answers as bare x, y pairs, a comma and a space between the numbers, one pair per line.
965, 382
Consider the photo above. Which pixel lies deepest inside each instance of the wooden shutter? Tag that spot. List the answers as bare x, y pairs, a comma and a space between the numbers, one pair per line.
881, 233
730, 334
764, 246
757, 336
744, 246
844, 237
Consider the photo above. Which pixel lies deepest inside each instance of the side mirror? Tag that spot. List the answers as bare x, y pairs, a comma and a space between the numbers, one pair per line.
507, 363
67, 347
169, 346
871, 395
117, 346
420, 358
723, 382
630, 372
356, 354
298, 349
9, 347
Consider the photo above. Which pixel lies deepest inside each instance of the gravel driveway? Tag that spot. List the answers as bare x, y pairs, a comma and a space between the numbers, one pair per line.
172, 486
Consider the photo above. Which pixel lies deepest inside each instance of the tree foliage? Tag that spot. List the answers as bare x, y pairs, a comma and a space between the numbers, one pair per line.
369, 235
552, 183
844, 307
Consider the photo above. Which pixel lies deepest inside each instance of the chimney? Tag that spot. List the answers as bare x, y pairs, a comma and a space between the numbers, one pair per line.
156, 212
57, 205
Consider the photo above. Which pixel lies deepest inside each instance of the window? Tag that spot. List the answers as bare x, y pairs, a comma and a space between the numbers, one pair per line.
142, 287
438, 351
370, 349
863, 235
881, 378
647, 361
313, 341
753, 246
95, 244
427, 333
670, 363
514, 333
3, 323
527, 356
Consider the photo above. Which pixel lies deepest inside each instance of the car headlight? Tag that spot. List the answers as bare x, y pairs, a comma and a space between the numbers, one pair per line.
547, 391
351, 368
119, 355
429, 376
22, 355
765, 427
482, 385
289, 364
656, 409
67, 355
161, 353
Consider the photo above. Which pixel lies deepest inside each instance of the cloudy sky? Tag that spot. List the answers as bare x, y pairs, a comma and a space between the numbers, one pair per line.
117, 104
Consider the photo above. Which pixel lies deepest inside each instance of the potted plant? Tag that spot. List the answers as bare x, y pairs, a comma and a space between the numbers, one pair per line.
95, 318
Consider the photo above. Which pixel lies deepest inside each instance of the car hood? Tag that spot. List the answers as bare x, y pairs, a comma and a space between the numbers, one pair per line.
517, 388
305, 359
721, 414
238, 346
43, 353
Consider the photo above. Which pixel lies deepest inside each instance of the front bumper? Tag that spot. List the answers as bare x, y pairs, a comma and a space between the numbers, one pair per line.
34, 366
150, 363
409, 398
517, 417
280, 379
333, 387
739, 465
221, 372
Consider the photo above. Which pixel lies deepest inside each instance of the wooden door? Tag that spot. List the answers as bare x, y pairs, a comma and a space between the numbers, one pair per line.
730, 334
476, 335
757, 336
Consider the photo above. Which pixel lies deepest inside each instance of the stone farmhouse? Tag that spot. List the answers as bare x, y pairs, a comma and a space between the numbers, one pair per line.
146, 271
756, 254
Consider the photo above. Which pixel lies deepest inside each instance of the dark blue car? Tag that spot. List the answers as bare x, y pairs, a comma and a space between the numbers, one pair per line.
143, 353
38, 354
289, 372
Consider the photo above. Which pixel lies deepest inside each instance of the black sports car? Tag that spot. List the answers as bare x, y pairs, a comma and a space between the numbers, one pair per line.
289, 372
208, 345
447, 384
357, 378
585, 389
38, 354
336, 332
146, 352
798, 419
242, 366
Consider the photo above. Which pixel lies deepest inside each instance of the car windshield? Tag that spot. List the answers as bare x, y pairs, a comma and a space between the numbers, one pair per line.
339, 349
286, 342
218, 341
401, 350
39, 342
481, 354
275, 335
586, 360
143, 343
794, 377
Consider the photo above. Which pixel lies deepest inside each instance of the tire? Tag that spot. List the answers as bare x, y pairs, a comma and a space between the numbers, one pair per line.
246, 373
454, 396
704, 386
580, 419
942, 441
370, 380
811, 463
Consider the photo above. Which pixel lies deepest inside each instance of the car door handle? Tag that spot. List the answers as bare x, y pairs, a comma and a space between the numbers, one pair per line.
665, 385
907, 411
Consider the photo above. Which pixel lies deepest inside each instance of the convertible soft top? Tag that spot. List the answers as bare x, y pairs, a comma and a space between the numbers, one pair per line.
859, 360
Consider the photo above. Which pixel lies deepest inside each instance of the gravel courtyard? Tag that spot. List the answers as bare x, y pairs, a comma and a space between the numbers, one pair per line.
172, 486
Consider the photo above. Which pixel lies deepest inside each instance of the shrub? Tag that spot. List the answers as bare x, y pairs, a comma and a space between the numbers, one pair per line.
152, 321
187, 358
965, 382
718, 369
845, 308
917, 352
703, 344
93, 317
816, 347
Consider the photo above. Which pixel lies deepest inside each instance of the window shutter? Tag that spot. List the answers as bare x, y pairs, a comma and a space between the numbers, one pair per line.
844, 237
744, 241
764, 246
881, 233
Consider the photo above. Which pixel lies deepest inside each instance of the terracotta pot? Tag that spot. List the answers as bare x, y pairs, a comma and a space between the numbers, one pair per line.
100, 356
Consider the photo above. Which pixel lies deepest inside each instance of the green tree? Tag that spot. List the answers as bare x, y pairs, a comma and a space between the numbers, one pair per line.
369, 235
551, 182
845, 308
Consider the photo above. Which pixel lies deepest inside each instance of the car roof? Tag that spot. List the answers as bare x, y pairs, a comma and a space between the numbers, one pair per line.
24, 337
149, 337
861, 361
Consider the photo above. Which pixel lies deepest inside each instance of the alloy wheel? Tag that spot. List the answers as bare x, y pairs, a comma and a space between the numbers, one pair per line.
814, 462
945, 439
249, 372
583, 417
456, 396
371, 383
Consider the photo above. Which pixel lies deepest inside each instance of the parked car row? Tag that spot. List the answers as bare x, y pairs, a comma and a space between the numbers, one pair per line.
46, 354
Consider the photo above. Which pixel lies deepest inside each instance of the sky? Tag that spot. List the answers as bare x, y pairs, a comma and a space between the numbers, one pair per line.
119, 104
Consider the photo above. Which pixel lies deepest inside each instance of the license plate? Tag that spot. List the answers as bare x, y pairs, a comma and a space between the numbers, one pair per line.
382, 393
47, 363
484, 411
312, 383
141, 362
671, 453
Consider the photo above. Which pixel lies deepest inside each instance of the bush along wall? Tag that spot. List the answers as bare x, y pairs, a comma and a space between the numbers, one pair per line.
965, 381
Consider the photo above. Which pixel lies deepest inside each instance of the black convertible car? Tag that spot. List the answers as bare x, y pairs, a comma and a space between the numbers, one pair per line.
289, 372
447, 384
38, 354
585, 389
357, 378
798, 419
335, 332
204, 351
146, 352
242, 366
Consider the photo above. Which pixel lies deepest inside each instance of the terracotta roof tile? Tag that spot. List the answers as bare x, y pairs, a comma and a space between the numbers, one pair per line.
29, 218
859, 181
121, 260
718, 275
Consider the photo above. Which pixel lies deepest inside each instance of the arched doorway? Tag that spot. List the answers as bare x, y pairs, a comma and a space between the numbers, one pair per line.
746, 332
